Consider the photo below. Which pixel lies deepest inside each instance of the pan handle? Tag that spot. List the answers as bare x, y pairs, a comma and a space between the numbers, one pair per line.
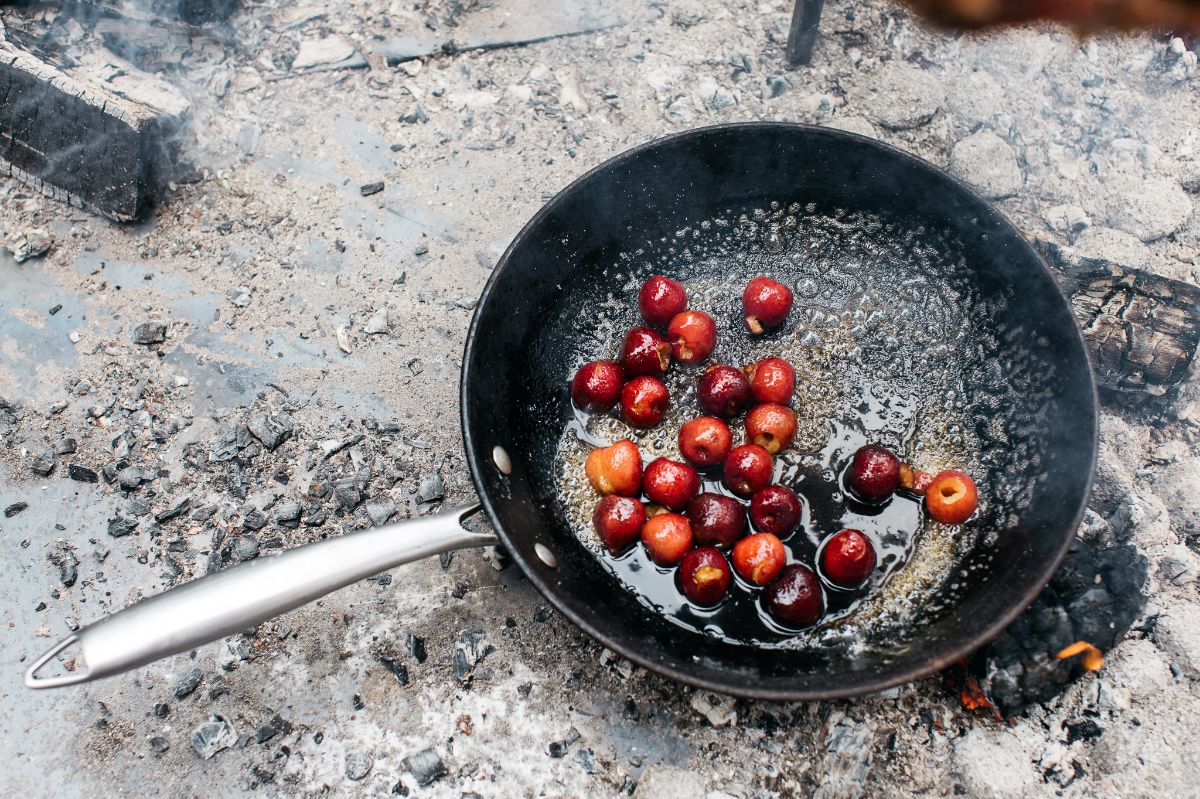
231, 600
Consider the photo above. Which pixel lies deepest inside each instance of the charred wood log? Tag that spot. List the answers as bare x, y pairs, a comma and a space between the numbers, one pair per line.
78, 140
1142, 329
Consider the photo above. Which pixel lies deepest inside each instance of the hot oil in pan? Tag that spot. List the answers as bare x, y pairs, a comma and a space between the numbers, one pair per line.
889, 347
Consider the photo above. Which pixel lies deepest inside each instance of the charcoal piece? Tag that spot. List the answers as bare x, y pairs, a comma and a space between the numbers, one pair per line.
380, 511
65, 447
159, 744
416, 648
212, 736
432, 489
68, 565
161, 710
119, 527
254, 520
149, 333
15, 508
245, 547
225, 448
315, 516
82, 473
367, 189
178, 509
1095, 597
559, 749
139, 506
347, 493
398, 670
445, 559
469, 648
274, 727
425, 766
270, 430
42, 464
188, 683
203, 514
358, 765
288, 514
130, 477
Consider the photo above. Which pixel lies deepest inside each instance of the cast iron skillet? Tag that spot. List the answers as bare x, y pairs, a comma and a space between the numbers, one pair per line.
514, 402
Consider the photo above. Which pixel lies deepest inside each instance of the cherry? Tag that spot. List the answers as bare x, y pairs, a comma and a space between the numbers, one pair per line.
723, 391
915, 480
759, 558
693, 335
704, 575
717, 520
645, 352
874, 473
747, 469
776, 510
616, 469
951, 498
670, 483
597, 385
771, 426
705, 441
766, 303
660, 299
847, 558
618, 521
772, 380
667, 537
644, 401
795, 599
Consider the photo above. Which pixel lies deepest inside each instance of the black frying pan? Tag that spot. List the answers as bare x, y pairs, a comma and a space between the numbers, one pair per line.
641, 213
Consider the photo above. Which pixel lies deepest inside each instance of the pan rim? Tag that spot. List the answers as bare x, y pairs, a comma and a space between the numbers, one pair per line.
919, 668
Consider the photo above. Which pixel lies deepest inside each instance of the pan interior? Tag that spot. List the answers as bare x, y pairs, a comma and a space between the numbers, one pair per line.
922, 321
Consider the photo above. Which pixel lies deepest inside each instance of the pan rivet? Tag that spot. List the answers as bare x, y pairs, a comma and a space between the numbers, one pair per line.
546, 556
501, 459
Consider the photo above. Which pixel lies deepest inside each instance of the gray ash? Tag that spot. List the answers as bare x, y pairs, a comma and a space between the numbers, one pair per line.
1095, 597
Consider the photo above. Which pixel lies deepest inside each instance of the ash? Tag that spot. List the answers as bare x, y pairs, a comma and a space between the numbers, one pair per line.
272, 358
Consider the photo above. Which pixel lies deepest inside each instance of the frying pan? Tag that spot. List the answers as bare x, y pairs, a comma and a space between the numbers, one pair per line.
514, 402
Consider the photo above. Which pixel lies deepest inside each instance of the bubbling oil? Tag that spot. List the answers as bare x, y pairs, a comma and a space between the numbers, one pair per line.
891, 345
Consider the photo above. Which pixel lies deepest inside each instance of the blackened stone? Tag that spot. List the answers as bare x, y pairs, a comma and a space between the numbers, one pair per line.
65, 447
245, 547
398, 670
189, 683
178, 509
82, 473
358, 765
150, 333
425, 766
272, 728
416, 648
368, 189
119, 528
67, 563
15, 508
161, 710
42, 464
270, 430
254, 520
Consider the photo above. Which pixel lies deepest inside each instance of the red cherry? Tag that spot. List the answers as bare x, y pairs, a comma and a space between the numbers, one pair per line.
705, 441
775, 509
795, 599
667, 537
766, 303
874, 473
747, 469
704, 575
772, 380
597, 385
644, 401
771, 426
723, 391
717, 520
759, 558
645, 352
660, 299
847, 558
670, 483
618, 521
693, 335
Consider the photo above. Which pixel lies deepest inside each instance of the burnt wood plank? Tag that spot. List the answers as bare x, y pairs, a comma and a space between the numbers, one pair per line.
78, 141
1142, 329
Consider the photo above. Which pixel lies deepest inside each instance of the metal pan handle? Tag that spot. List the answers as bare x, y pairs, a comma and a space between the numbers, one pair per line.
228, 601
